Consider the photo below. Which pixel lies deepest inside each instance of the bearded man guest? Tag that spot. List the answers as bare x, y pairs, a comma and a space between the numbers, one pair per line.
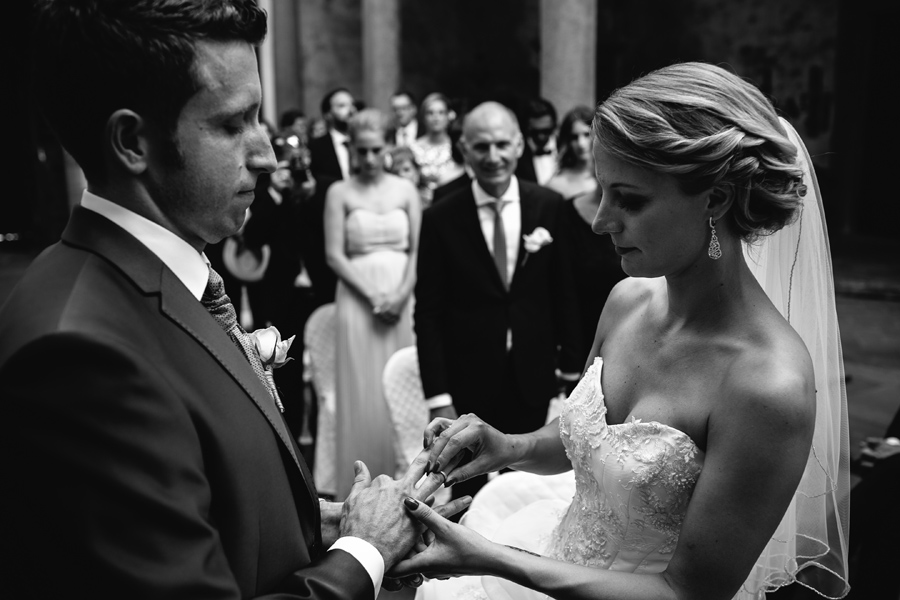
146, 454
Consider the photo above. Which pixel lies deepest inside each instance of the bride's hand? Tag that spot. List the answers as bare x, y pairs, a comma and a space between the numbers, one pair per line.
452, 549
487, 449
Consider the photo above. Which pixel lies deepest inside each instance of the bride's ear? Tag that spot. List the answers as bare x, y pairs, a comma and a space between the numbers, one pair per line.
719, 201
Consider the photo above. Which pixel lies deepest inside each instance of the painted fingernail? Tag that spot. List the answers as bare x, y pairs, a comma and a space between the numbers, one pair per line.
437, 465
428, 467
411, 503
449, 482
424, 442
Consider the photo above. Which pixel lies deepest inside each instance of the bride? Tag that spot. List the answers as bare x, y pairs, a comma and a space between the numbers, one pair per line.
708, 435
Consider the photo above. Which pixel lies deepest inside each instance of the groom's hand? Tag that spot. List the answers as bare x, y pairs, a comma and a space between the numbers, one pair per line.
331, 521
374, 509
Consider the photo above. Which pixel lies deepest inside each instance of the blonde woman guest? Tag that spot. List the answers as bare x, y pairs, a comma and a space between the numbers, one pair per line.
371, 237
433, 149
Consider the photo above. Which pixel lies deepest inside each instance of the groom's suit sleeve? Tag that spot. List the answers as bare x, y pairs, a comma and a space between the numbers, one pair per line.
136, 462
109, 493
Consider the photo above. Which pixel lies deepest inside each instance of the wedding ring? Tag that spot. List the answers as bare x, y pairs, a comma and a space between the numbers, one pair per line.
443, 477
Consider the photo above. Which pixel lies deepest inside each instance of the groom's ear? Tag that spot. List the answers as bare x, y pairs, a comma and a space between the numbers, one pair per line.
127, 141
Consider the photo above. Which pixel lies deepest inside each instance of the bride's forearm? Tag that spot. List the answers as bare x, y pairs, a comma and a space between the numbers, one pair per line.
540, 451
566, 580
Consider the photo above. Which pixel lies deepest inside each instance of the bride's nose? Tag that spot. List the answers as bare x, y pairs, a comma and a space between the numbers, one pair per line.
605, 221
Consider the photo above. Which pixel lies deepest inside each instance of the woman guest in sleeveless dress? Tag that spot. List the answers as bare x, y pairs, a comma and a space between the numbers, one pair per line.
575, 174
371, 236
709, 442
596, 263
433, 151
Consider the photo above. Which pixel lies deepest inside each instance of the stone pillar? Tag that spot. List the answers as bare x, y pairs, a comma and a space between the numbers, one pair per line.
380, 51
267, 80
328, 38
568, 52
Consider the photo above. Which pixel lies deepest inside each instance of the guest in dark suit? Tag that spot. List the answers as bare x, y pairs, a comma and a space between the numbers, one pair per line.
492, 308
144, 457
329, 162
282, 296
538, 161
405, 126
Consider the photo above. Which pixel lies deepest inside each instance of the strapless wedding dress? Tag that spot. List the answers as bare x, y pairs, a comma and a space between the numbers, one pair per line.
633, 482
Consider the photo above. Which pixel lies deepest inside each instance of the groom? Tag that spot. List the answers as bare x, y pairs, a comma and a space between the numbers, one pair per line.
495, 314
143, 455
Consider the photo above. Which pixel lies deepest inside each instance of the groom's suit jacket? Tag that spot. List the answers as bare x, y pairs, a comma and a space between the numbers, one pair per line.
463, 311
142, 457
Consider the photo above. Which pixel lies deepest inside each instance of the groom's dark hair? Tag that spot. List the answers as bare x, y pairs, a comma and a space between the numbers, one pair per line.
93, 57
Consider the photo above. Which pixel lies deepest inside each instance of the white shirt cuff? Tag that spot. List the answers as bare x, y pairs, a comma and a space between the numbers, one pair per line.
439, 401
366, 554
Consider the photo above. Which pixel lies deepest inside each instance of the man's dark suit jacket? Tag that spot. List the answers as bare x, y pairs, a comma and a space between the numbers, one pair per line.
525, 168
463, 310
275, 299
451, 187
326, 169
142, 457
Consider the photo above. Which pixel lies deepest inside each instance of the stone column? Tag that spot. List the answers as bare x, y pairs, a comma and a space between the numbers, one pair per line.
270, 105
328, 38
568, 52
380, 51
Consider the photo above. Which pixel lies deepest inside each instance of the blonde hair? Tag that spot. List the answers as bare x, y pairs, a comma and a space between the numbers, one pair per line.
369, 119
711, 130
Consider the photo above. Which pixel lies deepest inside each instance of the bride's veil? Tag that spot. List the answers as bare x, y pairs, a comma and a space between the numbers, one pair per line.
794, 267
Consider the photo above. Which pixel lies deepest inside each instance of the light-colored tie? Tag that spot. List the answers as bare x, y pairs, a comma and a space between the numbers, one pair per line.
500, 241
217, 302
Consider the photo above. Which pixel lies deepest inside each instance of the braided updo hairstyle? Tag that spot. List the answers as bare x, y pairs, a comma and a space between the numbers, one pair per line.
711, 130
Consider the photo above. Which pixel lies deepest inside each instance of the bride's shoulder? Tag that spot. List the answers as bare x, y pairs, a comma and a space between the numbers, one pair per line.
632, 293
635, 288
771, 381
626, 298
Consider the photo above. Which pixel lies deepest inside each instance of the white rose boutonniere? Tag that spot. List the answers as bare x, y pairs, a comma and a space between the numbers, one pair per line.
272, 350
273, 354
536, 240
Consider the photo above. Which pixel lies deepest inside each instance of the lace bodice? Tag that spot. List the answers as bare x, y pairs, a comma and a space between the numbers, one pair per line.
368, 231
633, 484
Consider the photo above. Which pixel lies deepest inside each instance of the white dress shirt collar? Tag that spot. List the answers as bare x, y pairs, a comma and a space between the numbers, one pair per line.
188, 265
482, 197
407, 134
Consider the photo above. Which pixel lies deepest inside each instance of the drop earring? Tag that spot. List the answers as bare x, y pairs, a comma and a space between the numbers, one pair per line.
715, 250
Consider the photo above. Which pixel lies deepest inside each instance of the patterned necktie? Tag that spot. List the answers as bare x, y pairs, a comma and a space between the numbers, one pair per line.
500, 242
217, 302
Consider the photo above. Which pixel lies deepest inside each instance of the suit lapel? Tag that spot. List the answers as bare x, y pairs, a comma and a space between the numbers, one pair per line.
97, 234
530, 214
180, 306
471, 224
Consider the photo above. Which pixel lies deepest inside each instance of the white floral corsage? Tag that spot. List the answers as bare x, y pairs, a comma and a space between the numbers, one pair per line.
536, 240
